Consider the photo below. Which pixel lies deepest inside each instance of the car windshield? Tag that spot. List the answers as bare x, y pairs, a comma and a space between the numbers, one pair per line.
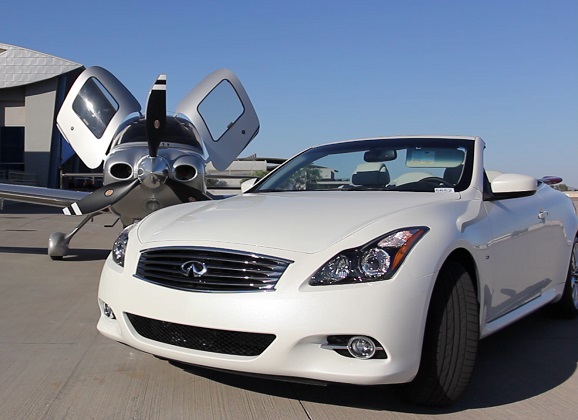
405, 164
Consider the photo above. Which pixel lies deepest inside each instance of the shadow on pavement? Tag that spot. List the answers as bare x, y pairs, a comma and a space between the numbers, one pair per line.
74, 254
522, 361
12, 207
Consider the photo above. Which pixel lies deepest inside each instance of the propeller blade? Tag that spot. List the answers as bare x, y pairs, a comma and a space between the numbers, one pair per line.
156, 114
101, 198
186, 193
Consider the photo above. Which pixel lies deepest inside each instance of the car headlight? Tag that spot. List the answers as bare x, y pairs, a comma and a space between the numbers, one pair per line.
119, 246
377, 260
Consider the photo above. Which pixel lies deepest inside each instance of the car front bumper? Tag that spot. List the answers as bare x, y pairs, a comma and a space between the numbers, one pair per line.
392, 312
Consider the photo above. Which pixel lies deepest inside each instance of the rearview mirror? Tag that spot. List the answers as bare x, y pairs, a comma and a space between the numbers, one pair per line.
380, 155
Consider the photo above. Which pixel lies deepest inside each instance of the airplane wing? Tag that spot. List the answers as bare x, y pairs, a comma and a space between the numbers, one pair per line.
40, 195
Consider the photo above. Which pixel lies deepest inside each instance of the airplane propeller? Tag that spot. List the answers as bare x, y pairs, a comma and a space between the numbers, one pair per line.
152, 170
156, 115
101, 198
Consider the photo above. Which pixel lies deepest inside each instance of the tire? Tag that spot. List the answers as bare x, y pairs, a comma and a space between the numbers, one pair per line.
450, 340
567, 306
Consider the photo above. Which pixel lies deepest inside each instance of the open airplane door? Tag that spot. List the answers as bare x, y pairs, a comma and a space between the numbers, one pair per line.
223, 115
94, 108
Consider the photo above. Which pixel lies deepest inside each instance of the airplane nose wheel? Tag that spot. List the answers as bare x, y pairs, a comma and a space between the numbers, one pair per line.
57, 245
58, 242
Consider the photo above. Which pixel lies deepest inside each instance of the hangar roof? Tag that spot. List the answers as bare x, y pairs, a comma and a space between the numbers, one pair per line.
21, 66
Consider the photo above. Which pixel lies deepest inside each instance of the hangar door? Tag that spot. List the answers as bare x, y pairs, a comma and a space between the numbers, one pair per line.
11, 150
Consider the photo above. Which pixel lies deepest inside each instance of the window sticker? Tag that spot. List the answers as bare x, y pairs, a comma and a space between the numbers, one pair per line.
444, 190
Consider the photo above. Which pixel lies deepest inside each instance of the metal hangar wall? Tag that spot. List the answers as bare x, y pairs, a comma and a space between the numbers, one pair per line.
32, 88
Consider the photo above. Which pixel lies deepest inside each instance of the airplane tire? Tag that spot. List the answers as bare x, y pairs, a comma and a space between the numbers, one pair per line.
57, 246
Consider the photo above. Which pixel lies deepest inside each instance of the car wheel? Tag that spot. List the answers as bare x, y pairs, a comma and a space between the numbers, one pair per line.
567, 306
450, 340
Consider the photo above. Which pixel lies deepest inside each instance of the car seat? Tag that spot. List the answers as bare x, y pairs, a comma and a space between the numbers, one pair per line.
373, 174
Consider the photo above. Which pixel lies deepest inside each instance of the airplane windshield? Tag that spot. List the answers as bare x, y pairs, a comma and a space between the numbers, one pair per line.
177, 131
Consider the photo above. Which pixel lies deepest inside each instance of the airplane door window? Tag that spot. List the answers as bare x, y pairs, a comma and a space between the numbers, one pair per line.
95, 106
220, 109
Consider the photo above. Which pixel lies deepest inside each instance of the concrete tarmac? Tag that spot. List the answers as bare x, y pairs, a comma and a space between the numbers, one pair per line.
55, 365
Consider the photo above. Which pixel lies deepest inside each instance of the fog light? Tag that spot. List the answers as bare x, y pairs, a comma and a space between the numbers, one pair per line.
107, 311
361, 347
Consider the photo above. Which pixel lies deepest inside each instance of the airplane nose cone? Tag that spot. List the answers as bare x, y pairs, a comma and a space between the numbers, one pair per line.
152, 171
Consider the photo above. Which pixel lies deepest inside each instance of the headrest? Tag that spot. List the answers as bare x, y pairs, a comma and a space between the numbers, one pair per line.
374, 173
453, 175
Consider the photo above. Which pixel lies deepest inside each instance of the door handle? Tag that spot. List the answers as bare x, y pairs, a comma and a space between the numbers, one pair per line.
542, 214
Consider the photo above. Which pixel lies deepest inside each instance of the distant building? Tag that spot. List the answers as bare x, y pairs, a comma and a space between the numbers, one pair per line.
229, 181
32, 88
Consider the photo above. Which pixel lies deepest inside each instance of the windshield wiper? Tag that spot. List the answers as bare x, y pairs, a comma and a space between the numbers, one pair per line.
362, 188
268, 190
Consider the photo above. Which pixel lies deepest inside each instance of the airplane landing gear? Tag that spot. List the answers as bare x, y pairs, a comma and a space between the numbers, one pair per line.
57, 245
58, 242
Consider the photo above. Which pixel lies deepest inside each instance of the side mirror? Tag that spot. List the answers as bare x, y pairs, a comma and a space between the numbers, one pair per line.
514, 185
248, 184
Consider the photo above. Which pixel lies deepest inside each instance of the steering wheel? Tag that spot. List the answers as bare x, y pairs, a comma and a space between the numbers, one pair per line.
438, 180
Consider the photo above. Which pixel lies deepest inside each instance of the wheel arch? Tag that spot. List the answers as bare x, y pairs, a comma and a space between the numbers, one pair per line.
445, 372
466, 259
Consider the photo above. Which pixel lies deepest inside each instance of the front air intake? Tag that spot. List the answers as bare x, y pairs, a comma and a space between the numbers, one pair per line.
205, 339
121, 171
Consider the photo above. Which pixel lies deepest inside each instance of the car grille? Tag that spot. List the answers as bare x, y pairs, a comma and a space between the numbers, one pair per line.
205, 339
226, 271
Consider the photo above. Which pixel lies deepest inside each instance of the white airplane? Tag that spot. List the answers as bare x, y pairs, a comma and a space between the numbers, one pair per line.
150, 161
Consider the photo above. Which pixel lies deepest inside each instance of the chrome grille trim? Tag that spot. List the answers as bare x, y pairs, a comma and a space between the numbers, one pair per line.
227, 271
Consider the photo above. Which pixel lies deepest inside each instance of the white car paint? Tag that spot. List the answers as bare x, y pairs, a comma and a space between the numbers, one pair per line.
518, 249
266, 225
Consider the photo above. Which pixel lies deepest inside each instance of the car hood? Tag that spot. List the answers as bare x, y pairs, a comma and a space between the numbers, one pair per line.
305, 222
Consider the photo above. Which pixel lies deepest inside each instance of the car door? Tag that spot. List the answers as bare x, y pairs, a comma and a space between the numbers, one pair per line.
223, 115
94, 108
559, 219
514, 252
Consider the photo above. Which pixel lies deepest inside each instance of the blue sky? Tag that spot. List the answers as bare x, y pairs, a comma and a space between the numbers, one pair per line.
319, 71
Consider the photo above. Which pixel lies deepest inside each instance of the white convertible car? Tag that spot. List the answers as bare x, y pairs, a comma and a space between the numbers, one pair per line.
374, 261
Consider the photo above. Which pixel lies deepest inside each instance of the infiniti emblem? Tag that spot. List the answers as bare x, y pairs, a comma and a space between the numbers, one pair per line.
194, 268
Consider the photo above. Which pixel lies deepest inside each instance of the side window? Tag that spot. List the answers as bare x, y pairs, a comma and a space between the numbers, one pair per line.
220, 109
95, 106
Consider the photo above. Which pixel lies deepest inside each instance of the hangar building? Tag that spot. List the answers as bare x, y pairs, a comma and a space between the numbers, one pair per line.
32, 88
